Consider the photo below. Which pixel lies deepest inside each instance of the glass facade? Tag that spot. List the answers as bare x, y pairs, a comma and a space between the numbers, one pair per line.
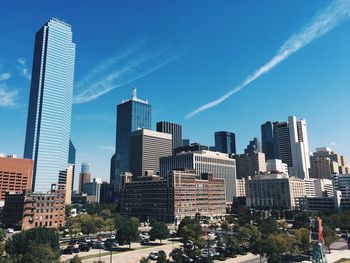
50, 103
225, 142
132, 114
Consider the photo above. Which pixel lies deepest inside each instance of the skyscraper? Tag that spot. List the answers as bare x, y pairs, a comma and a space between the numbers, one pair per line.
225, 142
282, 143
84, 176
267, 140
146, 147
174, 129
299, 147
50, 103
132, 114
254, 146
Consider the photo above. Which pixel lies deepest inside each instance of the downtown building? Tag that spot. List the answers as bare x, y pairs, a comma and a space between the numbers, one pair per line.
15, 175
215, 163
288, 141
132, 114
172, 128
50, 104
225, 142
84, 176
146, 148
171, 198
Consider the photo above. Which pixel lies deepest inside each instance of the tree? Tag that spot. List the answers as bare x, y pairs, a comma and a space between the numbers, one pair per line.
329, 237
301, 220
127, 231
73, 226
76, 259
302, 236
267, 227
276, 245
33, 244
162, 259
87, 223
176, 255
225, 226
159, 231
144, 260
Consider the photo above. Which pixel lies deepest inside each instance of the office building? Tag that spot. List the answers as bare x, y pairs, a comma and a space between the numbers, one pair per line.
50, 103
15, 175
275, 166
180, 194
71, 160
112, 168
341, 182
65, 181
309, 184
250, 164
267, 140
174, 129
105, 193
240, 188
146, 147
225, 142
282, 146
84, 176
27, 210
185, 142
253, 146
325, 162
193, 147
132, 114
299, 147
93, 188
274, 191
218, 164
324, 187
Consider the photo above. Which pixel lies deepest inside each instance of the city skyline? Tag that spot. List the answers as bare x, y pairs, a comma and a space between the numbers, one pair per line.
301, 86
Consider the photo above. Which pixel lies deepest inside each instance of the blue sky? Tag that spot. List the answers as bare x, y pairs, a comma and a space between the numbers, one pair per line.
181, 55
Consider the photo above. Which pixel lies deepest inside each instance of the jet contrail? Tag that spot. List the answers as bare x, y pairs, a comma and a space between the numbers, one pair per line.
337, 12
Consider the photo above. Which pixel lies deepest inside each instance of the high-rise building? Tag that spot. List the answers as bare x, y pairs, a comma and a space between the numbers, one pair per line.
50, 103
282, 143
267, 140
174, 129
112, 168
216, 163
71, 159
146, 147
132, 114
325, 162
93, 188
84, 176
15, 175
253, 146
299, 147
250, 164
341, 182
275, 166
225, 142
186, 142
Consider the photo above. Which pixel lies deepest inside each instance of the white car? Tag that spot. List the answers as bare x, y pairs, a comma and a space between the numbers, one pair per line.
10, 230
153, 255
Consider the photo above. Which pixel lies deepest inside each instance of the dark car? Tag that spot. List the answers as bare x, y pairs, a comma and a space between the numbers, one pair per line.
161, 252
73, 241
98, 245
84, 247
69, 250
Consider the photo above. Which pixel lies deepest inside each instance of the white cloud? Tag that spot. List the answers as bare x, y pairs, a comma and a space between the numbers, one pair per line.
119, 70
5, 76
337, 12
8, 98
23, 68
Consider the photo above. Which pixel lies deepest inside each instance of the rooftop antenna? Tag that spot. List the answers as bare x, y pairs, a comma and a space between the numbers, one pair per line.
134, 93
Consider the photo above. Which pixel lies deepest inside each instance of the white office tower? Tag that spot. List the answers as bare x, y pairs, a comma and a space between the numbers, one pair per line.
275, 166
299, 147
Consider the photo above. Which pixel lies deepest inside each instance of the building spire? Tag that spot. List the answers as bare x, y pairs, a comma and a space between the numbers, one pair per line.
134, 93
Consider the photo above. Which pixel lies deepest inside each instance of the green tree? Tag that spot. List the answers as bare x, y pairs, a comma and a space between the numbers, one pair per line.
159, 231
76, 259
301, 220
87, 223
277, 245
127, 231
302, 236
144, 260
162, 259
73, 226
267, 227
176, 255
34, 245
329, 237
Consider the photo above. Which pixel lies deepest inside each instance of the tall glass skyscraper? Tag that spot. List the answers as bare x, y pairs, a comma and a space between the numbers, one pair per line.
50, 103
225, 142
132, 114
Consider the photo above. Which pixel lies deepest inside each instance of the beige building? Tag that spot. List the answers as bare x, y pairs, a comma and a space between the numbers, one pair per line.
274, 191
240, 187
182, 193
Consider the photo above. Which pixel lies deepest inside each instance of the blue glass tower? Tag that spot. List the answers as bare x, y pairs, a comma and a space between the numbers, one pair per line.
50, 103
225, 142
132, 114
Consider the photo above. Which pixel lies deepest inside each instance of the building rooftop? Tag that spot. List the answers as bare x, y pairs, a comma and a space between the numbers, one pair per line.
134, 98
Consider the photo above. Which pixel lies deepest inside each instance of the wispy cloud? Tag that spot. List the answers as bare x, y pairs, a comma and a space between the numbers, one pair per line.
106, 147
23, 68
119, 70
8, 97
323, 22
5, 76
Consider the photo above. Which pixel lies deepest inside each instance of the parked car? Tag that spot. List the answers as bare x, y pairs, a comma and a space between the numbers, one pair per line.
87, 239
69, 250
161, 252
111, 243
189, 245
10, 230
84, 247
98, 245
153, 255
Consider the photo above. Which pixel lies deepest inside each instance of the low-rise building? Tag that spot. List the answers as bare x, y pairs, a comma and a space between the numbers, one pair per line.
274, 191
180, 194
28, 210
